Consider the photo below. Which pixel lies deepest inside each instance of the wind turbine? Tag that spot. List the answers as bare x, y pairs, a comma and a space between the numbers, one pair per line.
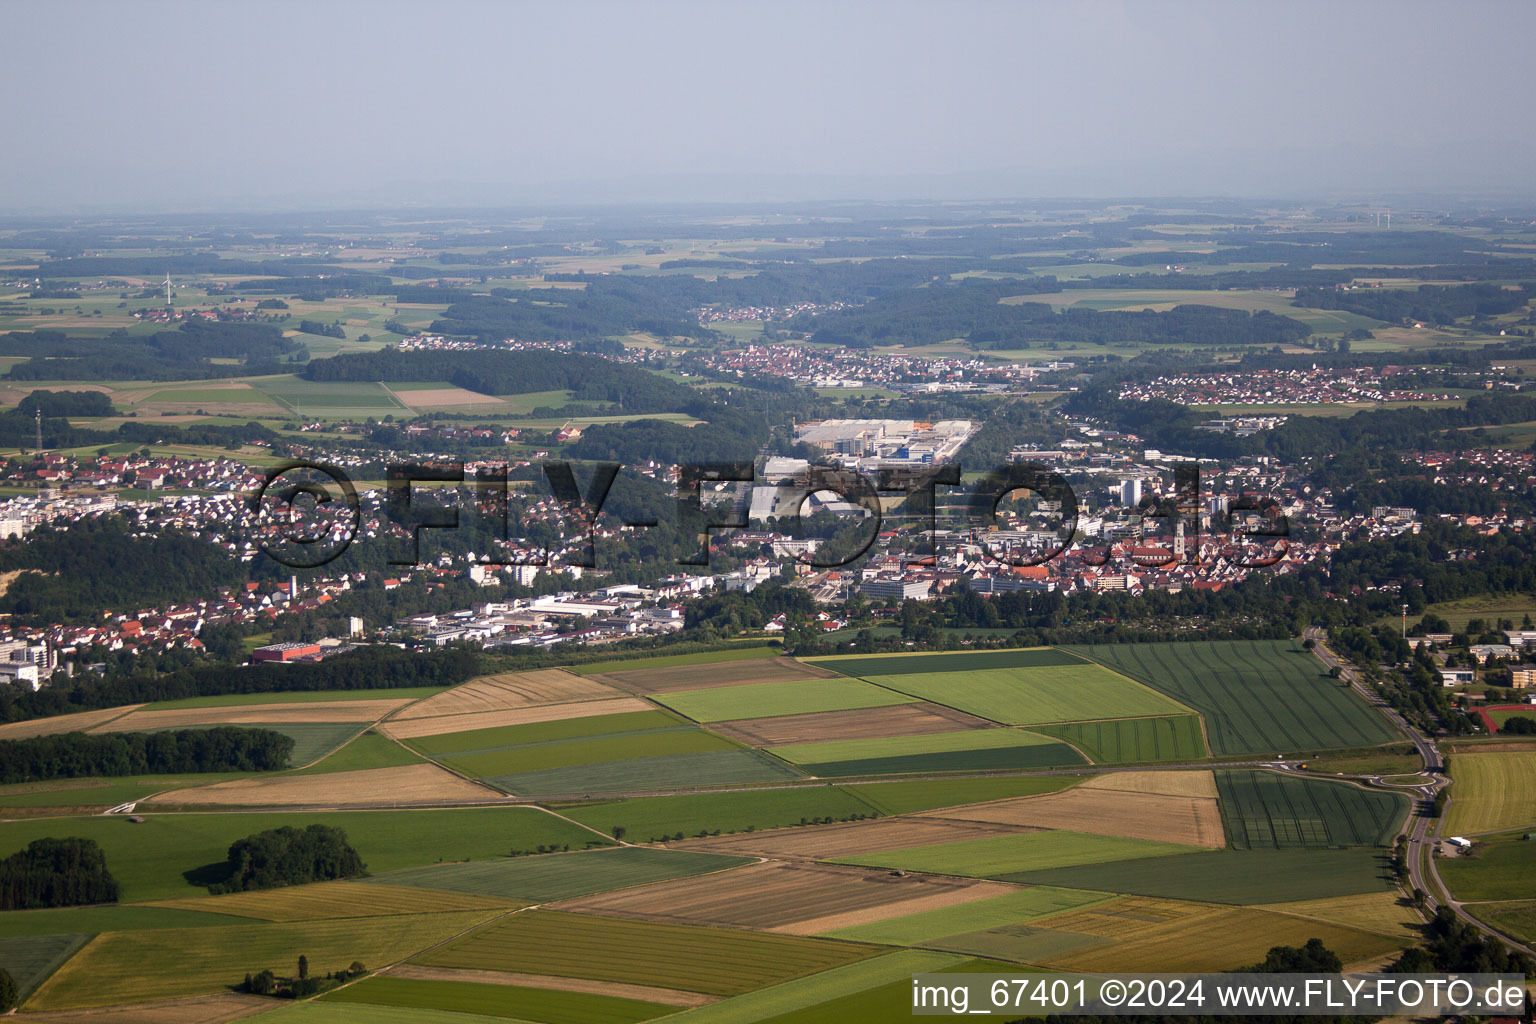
167, 287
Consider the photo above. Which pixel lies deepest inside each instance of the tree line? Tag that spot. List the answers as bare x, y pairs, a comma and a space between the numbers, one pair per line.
56, 873
75, 755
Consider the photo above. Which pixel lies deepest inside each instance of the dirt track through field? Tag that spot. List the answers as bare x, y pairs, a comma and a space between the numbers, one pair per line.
863, 723
648, 993
816, 842
411, 728
412, 783
719, 673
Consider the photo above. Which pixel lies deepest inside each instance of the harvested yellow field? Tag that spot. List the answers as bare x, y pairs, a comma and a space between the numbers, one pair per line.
1166, 935
80, 721
381, 787
1200, 784
932, 901
1492, 792
335, 900
510, 690
1194, 821
1384, 912
816, 842
411, 728
204, 1009
263, 714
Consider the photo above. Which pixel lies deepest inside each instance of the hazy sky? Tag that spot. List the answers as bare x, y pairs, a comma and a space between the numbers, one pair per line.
197, 105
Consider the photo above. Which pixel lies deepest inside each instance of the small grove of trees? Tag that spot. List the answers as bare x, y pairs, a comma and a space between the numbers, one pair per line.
56, 873
267, 983
289, 856
7, 991
224, 748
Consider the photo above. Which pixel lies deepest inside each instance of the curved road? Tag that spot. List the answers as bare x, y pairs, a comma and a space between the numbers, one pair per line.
1421, 828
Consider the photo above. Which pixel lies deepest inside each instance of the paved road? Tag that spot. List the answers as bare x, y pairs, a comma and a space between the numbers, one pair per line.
1422, 829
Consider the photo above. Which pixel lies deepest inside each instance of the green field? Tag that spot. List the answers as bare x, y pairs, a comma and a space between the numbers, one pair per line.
1257, 696
1516, 918
313, 740
658, 817
1133, 740
149, 859
563, 876
1007, 855
1231, 876
111, 969
926, 794
766, 700
31, 959
1499, 868
1266, 809
972, 750
109, 918
536, 757
925, 663
788, 1001
370, 750
316, 1012
329, 399
643, 774
1492, 791
1029, 696
716, 961
546, 1006
75, 795
993, 912
294, 697
1395, 759
510, 736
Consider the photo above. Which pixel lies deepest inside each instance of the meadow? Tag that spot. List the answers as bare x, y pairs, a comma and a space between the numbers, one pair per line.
1230, 876
1134, 740
1256, 696
1501, 867
1005, 856
370, 750
1492, 791
789, 697
645, 774
1031, 696
542, 1005
150, 860
976, 750
650, 818
686, 957
946, 661
563, 876
1267, 809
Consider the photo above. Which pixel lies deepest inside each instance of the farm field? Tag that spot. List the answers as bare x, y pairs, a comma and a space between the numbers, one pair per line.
110, 969
1492, 791
705, 675
846, 840
788, 697
149, 859
771, 896
370, 750
1131, 740
1384, 912
534, 734
509, 690
925, 794
78, 796
402, 784
1007, 856
441, 725
1267, 809
79, 721
1517, 918
952, 751
671, 738
1501, 867
317, 1012
116, 917
717, 658
993, 912
333, 901
863, 723
1242, 877
224, 700
1187, 820
643, 774
30, 959
563, 876
922, 663
271, 715
547, 1006
1032, 696
1257, 696
685, 957
648, 819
